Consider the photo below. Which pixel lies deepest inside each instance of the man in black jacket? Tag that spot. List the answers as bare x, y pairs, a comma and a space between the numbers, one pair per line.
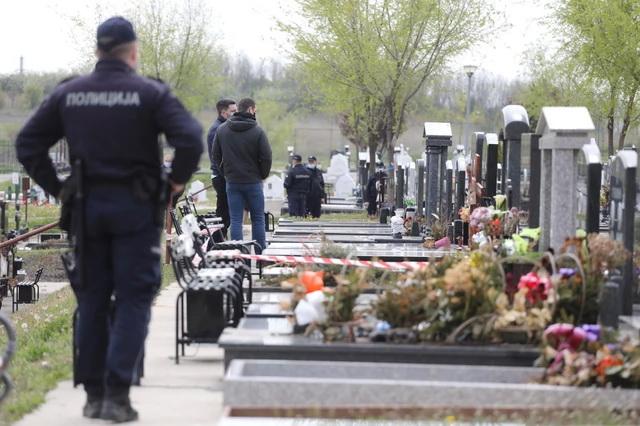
111, 119
316, 192
242, 153
298, 185
226, 108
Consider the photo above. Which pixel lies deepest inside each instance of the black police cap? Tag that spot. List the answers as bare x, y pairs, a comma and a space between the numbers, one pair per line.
311, 158
297, 157
114, 32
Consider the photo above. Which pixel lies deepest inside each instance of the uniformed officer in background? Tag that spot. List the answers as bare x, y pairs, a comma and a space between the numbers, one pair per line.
316, 191
112, 119
298, 184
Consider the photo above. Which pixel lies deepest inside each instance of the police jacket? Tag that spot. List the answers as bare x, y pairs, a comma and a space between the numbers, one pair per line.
317, 183
111, 119
298, 180
215, 171
241, 150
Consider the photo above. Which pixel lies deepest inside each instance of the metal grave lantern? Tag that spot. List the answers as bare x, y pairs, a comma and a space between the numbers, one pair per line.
622, 196
564, 130
588, 188
438, 138
516, 122
491, 176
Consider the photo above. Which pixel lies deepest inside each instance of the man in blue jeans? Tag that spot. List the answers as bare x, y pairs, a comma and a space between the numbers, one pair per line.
242, 153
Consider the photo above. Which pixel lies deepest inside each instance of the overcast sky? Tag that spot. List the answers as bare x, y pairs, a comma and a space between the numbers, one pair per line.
41, 32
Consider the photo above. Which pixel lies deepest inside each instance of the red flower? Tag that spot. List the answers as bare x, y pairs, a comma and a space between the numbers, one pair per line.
537, 287
607, 362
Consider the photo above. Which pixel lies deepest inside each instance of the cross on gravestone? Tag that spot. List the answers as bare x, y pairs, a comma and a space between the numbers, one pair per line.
491, 177
438, 137
516, 122
564, 131
622, 194
588, 188
532, 140
273, 188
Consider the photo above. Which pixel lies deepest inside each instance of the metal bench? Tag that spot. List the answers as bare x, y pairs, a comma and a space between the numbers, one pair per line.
210, 300
26, 292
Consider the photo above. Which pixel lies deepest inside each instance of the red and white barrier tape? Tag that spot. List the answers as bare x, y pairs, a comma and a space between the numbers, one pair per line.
314, 260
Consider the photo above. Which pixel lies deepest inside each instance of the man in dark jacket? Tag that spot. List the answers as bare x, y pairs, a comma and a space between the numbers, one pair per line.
226, 108
297, 184
111, 120
242, 153
316, 193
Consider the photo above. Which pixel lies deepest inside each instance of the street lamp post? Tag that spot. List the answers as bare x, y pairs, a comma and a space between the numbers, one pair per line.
469, 70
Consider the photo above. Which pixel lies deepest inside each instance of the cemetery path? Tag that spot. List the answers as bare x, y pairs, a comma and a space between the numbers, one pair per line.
187, 394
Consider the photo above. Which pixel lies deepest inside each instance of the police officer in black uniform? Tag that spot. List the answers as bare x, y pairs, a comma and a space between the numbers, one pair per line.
112, 119
298, 184
316, 192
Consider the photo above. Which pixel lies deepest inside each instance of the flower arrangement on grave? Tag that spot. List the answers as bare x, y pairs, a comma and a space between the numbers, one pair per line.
584, 356
339, 307
524, 320
582, 267
431, 304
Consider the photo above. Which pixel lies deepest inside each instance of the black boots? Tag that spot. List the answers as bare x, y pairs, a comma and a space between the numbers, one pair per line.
115, 405
93, 407
118, 410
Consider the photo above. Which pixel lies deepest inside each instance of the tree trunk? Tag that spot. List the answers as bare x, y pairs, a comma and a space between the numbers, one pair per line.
626, 121
372, 156
610, 123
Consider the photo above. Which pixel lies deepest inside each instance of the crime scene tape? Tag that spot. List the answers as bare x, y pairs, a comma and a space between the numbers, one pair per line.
315, 260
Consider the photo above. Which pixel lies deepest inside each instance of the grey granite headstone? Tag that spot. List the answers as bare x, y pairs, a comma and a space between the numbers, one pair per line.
564, 131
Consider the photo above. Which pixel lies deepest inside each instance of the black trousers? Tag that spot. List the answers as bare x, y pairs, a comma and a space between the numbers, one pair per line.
122, 258
314, 205
222, 204
297, 204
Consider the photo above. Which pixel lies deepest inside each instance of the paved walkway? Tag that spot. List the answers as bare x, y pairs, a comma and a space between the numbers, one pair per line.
185, 394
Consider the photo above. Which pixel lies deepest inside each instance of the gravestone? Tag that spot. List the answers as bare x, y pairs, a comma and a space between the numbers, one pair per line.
338, 166
437, 141
197, 189
420, 189
533, 141
411, 181
399, 187
273, 187
564, 131
479, 152
622, 194
448, 192
491, 176
344, 186
588, 185
460, 184
516, 122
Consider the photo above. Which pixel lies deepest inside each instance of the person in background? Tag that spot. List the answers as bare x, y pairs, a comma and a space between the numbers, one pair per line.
297, 184
242, 153
316, 191
373, 187
226, 108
